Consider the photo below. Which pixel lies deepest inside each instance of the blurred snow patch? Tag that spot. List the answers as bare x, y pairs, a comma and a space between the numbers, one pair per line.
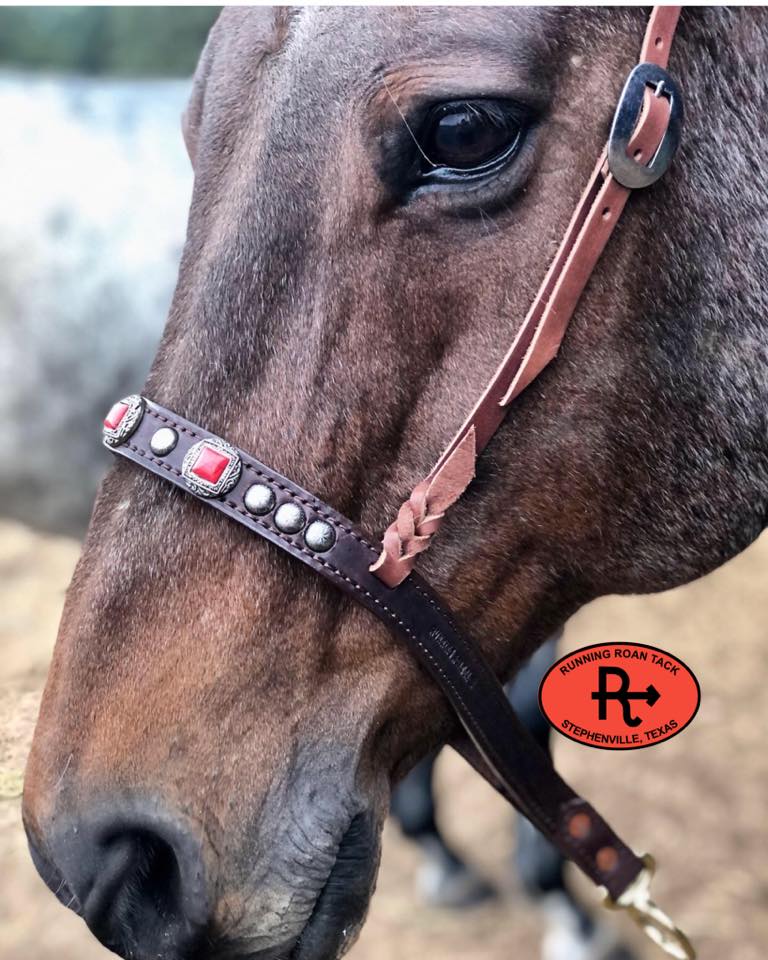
95, 186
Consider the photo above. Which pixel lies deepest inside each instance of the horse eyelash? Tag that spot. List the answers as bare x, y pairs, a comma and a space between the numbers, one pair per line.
407, 125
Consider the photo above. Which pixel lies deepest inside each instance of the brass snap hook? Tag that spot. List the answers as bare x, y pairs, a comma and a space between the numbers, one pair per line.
651, 919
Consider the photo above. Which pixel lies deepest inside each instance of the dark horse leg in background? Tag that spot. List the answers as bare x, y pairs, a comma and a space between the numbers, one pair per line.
444, 879
447, 881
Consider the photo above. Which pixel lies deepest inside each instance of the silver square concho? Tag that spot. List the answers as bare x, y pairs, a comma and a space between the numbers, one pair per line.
211, 467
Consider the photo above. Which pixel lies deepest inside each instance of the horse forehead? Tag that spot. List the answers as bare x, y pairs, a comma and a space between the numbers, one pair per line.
383, 30
341, 46
289, 89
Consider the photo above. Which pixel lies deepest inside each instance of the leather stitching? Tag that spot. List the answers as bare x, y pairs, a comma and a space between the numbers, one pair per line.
316, 506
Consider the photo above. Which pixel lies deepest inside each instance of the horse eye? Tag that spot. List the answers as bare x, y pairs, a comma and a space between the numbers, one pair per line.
469, 137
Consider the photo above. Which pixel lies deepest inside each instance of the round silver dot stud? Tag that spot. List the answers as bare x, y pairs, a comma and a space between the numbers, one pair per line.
163, 441
320, 536
259, 499
289, 518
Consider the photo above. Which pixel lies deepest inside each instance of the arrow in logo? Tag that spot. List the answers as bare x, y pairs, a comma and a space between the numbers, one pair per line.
650, 696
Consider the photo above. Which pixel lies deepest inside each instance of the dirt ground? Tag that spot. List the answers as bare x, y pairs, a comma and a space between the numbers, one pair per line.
698, 802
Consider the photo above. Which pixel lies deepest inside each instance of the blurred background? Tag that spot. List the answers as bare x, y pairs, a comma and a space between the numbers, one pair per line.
94, 188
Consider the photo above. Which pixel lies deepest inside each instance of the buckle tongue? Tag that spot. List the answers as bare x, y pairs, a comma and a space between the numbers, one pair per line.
651, 919
626, 169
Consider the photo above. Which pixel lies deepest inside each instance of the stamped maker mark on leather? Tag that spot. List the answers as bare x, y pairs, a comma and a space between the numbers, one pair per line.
465, 671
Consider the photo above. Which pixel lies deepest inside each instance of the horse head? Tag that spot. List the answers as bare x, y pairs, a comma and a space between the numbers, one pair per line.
378, 193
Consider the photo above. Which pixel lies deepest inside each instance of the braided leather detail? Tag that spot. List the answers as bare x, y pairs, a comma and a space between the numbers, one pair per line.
419, 518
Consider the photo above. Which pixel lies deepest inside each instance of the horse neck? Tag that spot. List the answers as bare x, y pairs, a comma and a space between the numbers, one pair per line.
723, 202
713, 246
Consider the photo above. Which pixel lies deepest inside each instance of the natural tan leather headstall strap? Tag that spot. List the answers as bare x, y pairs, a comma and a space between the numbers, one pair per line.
643, 139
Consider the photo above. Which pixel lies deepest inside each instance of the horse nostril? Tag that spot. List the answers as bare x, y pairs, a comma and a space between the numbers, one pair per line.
139, 883
136, 891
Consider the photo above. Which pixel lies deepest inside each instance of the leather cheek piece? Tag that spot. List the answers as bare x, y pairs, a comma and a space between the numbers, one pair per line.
541, 333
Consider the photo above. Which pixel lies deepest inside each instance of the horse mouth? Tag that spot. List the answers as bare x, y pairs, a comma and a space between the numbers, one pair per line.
342, 904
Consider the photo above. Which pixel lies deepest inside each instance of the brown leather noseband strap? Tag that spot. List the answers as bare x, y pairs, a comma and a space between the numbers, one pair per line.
503, 750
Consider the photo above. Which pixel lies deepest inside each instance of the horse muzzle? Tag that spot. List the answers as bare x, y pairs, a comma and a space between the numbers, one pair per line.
137, 877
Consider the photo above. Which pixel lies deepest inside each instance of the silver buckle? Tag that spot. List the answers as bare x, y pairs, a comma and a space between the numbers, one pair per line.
651, 919
628, 171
